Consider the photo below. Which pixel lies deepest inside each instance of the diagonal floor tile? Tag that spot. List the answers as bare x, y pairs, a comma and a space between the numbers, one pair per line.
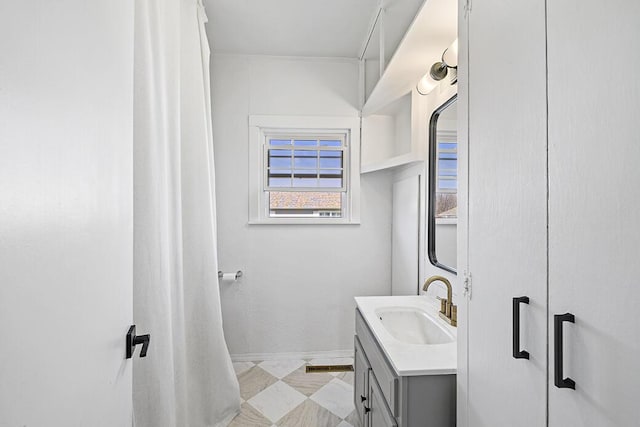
276, 400
353, 419
305, 383
249, 417
241, 367
347, 377
309, 414
336, 396
253, 381
281, 368
344, 424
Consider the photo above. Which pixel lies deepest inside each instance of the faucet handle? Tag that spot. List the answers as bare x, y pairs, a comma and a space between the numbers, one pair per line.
443, 304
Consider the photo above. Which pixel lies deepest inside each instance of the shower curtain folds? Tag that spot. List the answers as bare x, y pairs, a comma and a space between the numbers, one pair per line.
187, 380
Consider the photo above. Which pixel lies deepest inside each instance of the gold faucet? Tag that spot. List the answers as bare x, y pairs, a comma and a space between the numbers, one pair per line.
448, 311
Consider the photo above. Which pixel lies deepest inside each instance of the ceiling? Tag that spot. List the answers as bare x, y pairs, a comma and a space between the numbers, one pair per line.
322, 28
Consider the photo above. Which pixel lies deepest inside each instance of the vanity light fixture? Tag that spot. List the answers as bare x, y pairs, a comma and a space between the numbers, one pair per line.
440, 70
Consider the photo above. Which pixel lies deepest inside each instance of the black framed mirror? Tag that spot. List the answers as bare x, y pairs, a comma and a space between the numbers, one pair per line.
443, 187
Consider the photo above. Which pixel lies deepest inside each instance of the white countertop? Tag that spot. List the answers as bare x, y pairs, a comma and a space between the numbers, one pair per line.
411, 359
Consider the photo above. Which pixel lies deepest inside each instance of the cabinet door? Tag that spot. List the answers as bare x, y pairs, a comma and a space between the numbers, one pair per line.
594, 209
360, 382
379, 414
507, 250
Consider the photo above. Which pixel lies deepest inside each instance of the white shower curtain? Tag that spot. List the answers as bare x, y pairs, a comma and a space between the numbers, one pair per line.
187, 379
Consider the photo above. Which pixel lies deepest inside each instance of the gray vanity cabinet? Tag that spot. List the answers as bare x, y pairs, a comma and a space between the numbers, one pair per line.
360, 382
386, 399
379, 415
370, 402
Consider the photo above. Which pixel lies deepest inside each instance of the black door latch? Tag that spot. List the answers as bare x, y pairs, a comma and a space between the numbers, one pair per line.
133, 341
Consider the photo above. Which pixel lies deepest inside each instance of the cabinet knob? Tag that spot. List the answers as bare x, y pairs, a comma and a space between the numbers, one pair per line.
362, 398
367, 410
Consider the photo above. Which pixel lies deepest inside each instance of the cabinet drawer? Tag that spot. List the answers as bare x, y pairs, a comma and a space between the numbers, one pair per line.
383, 372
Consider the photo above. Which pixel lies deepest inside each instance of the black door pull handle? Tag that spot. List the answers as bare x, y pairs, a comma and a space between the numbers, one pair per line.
133, 340
362, 398
517, 353
367, 410
559, 379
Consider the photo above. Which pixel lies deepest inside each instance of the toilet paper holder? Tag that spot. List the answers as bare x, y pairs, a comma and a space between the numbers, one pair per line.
238, 274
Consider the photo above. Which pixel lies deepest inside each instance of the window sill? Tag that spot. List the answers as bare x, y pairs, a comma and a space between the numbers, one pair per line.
446, 221
304, 221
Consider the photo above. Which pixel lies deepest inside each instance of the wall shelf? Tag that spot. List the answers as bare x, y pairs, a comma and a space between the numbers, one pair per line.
393, 114
423, 43
391, 163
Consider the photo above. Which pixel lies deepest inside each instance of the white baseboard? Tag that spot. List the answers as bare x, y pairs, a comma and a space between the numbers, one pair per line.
254, 357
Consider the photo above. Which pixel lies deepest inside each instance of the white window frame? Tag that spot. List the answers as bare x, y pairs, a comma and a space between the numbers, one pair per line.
260, 127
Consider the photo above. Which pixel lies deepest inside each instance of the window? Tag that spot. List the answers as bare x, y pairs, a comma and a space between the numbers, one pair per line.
304, 170
447, 175
305, 174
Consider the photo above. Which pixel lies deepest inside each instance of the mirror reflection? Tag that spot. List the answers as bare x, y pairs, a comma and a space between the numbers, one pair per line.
443, 186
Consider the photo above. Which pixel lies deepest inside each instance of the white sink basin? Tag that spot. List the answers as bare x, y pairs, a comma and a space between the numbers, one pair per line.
413, 326
409, 331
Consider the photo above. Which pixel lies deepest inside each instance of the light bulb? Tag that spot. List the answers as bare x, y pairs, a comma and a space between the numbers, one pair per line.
451, 54
425, 85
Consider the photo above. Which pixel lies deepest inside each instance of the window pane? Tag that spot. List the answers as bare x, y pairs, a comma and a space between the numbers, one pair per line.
280, 182
331, 153
280, 153
447, 184
305, 153
305, 173
305, 142
330, 143
306, 162
279, 173
448, 172
446, 205
305, 204
448, 164
280, 141
279, 162
448, 145
330, 173
330, 182
305, 182
330, 162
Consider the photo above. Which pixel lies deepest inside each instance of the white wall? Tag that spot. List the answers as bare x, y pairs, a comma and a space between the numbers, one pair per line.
408, 227
297, 291
447, 243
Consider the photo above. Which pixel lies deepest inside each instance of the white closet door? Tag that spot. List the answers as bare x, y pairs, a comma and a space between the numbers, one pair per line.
66, 100
507, 212
594, 175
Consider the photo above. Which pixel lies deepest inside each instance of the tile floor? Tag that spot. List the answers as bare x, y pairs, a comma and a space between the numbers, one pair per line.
280, 393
